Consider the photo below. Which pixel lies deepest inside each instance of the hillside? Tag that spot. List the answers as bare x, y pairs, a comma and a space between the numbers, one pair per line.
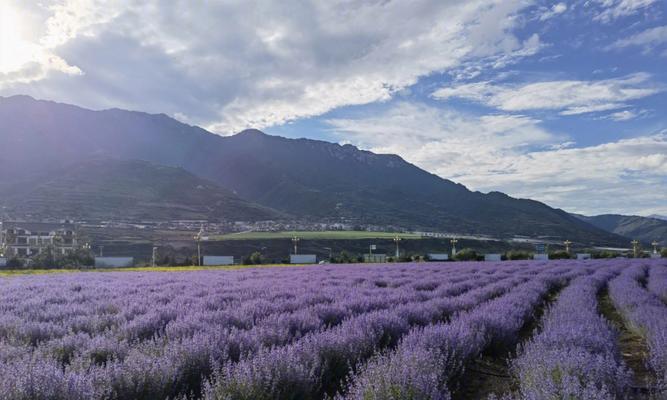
302, 177
126, 190
644, 229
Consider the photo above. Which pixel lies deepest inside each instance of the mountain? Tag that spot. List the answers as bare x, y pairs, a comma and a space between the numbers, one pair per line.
302, 177
105, 189
656, 216
644, 229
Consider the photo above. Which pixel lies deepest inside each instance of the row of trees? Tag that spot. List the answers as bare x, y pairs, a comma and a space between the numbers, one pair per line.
82, 258
50, 258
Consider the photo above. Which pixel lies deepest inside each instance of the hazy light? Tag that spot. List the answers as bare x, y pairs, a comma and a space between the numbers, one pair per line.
14, 50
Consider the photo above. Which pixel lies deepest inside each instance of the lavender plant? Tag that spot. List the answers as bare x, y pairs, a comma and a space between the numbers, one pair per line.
575, 355
262, 333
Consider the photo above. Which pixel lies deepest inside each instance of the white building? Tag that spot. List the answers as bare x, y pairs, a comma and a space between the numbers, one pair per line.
218, 260
26, 239
303, 259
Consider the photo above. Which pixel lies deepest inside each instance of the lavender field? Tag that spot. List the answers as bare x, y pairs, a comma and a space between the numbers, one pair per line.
519, 330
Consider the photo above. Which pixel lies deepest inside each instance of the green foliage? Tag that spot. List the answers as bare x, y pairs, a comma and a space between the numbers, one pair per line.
518, 255
466, 255
559, 255
14, 263
254, 259
604, 254
343, 258
49, 257
664, 252
319, 235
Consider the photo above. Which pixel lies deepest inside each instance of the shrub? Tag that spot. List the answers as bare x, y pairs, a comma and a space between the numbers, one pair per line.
559, 255
343, 258
518, 255
604, 254
254, 259
14, 262
466, 255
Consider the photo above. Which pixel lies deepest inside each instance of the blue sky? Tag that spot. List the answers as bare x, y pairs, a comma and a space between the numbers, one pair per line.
562, 102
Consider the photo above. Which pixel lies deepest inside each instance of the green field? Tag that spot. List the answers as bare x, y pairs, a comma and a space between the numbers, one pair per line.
305, 235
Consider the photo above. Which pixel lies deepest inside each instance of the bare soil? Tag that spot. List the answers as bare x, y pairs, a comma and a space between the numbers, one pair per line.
633, 347
490, 373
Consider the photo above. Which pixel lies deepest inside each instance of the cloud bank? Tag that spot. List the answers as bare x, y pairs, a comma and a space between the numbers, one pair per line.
516, 154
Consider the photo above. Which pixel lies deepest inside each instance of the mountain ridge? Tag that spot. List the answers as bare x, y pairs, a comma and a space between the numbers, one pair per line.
644, 229
306, 178
111, 189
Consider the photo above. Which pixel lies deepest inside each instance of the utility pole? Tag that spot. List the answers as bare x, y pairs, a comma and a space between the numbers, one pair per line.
3, 243
198, 238
396, 240
330, 253
567, 244
635, 247
295, 240
655, 246
57, 239
453, 242
101, 251
154, 257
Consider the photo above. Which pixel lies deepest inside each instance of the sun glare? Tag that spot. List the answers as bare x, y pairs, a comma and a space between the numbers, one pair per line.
14, 50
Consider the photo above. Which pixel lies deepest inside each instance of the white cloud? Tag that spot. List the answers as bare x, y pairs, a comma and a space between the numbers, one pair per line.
569, 97
516, 155
556, 9
648, 39
21, 60
613, 9
230, 65
625, 115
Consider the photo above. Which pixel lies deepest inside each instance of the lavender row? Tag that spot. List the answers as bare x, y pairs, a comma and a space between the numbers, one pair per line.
51, 314
277, 320
575, 355
657, 281
428, 361
645, 314
315, 365
79, 365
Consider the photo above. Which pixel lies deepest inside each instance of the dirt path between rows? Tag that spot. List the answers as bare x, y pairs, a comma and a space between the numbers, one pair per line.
490, 374
633, 348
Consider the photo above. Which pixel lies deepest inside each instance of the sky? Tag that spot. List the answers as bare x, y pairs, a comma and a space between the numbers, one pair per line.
562, 102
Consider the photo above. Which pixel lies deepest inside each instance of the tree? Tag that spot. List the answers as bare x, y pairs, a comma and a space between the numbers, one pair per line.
343, 258
14, 262
254, 259
50, 258
518, 255
664, 252
559, 255
604, 254
466, 255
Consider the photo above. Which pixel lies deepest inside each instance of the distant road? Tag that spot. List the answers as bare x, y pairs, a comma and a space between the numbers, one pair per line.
342, 235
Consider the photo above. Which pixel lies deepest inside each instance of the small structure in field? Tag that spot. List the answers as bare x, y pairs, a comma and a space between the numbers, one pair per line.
492, 257
303, 259
583, 256
3, 262
114, 262
438, 256
541, 257
218, 260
